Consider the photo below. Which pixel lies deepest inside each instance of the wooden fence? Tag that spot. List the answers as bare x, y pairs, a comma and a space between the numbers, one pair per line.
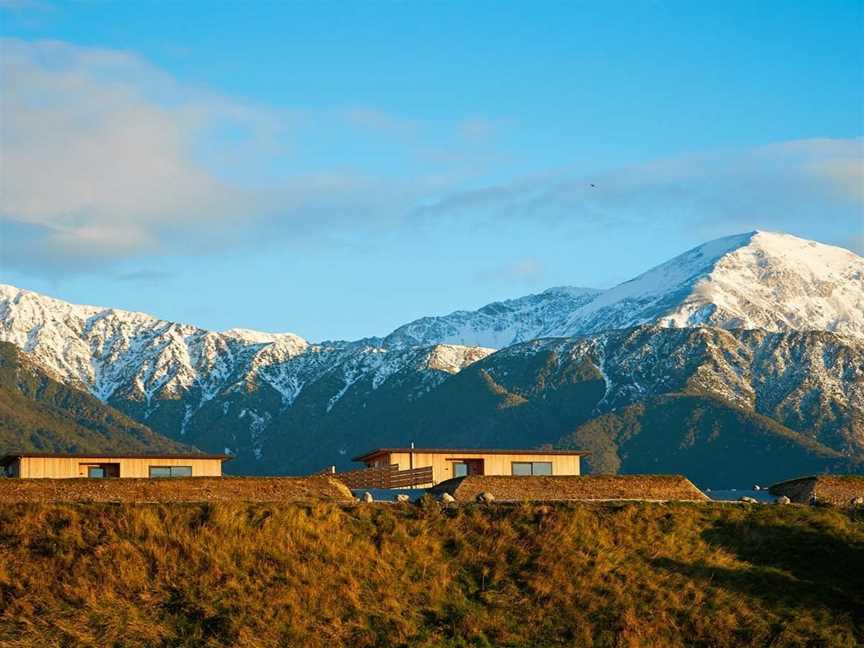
385, 477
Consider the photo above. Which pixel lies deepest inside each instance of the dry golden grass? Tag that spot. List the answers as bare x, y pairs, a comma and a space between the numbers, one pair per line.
236, 574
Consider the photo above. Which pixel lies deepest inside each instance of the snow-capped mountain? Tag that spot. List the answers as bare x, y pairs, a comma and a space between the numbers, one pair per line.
499, 324
260, 394
759, 280
123, 356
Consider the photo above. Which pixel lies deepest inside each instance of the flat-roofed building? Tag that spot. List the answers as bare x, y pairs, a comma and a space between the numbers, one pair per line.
448, 463
32, 465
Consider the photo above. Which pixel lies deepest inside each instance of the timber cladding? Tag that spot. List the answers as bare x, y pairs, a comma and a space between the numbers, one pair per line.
385, 477
443, 461
590, 487
71, 467
191, 489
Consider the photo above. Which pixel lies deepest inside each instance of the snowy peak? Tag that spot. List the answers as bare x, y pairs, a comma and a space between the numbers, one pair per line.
453, 358
498, 324
758, 280
766, 280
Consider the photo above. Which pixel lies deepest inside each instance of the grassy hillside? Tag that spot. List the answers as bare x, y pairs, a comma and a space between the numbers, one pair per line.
39, 414
716, 444
234, 574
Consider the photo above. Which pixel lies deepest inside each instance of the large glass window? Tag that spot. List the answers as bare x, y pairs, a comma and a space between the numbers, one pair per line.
460, 469
524, 468
521, 467
95, 472
170, 471
541, 467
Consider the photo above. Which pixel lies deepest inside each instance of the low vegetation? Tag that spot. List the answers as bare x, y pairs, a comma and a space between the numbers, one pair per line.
243, 574
509, 488
318, 488
839, 490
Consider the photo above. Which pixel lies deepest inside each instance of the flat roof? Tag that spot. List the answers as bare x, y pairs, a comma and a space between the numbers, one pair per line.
102, 455
469, 451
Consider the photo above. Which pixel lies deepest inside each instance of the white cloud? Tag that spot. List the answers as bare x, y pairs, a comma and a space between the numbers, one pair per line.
98, 147
104, 157
780, 186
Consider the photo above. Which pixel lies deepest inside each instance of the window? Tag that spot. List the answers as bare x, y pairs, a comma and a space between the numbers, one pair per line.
465, 467
95, 472
531, 468
170, 471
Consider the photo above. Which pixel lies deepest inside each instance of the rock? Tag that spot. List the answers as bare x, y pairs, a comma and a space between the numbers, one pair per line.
402, 497
748, 500
447, 498
367, 497
782, 500
757, 487
485, 497
857, 501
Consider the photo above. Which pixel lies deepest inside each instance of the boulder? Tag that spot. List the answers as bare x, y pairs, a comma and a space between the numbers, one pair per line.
748, 500
402, 497
782, 500
485, 497
367, 497
447, 498
857, 501
757, 487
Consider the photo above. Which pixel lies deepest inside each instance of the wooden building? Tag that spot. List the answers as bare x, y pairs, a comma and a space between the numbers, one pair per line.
448, 463
98, 466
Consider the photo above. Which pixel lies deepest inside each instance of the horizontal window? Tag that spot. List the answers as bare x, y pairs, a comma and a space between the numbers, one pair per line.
525, 468
170, 471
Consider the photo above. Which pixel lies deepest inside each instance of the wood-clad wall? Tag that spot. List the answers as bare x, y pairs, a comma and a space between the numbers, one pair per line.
72, 467
493, 464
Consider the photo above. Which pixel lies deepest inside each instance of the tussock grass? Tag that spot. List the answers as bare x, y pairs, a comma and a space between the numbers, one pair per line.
238, 574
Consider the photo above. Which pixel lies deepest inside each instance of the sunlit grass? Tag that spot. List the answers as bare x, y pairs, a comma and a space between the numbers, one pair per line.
234, 574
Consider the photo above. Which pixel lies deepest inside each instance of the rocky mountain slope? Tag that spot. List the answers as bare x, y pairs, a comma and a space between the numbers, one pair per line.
39, 414
768, 323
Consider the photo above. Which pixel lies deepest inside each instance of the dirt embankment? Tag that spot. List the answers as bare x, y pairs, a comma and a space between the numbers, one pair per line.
192, 489
589, 487
839, 490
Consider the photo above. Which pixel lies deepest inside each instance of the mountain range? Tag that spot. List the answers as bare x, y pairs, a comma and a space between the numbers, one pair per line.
741, 359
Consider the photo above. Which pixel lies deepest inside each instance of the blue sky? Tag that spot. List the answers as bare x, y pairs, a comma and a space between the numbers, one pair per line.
337, 169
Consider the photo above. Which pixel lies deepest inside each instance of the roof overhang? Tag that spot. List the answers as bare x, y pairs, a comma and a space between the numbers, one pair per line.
469, 452
9, 458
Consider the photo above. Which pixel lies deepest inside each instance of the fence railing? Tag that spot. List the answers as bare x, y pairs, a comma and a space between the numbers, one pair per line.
385, 477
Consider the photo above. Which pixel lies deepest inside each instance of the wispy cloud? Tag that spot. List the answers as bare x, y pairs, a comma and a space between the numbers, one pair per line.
780, 186
144, 276
527, 270
106, 158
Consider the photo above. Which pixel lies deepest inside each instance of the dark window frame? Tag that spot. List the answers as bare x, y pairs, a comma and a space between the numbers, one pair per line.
171, 470
532, 470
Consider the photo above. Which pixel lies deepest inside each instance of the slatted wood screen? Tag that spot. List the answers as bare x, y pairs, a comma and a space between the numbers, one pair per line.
385, 477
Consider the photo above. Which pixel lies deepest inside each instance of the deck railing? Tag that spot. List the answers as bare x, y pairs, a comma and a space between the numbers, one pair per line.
384, 477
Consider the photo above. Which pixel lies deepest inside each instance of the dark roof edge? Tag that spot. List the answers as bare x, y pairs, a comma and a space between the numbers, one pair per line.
107, 455
468, 451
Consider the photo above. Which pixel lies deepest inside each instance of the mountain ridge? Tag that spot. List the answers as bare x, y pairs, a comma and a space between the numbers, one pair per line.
238, 386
